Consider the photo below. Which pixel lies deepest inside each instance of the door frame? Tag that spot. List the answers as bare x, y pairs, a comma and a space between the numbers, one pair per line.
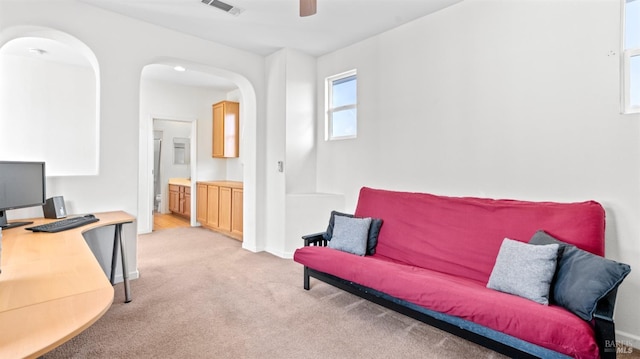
193, 162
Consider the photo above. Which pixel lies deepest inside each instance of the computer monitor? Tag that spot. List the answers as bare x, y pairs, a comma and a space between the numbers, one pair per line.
22, 184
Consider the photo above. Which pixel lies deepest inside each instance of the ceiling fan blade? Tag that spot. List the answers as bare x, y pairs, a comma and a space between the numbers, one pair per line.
307, 7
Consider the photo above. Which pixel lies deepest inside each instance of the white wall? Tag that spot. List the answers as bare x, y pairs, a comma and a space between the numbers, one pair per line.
300, 162
294, 207
275, 222
51, 106
122, 52
505, 99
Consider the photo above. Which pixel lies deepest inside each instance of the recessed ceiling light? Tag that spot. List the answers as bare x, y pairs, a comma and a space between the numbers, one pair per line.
35, 50
179, 68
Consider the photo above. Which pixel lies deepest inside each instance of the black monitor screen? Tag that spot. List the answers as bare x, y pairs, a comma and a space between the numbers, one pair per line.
22, 184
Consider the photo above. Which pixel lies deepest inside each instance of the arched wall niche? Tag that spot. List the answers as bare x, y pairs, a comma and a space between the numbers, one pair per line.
49, 100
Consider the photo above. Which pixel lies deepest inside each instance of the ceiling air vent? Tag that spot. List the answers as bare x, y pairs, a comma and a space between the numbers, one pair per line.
233, 10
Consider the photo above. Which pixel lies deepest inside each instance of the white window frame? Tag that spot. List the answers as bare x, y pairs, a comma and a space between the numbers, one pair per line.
628, 107
627, 54
329, 109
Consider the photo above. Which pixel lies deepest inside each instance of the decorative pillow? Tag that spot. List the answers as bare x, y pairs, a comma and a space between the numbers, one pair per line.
374, 230
582, 278
350, 234
524, 270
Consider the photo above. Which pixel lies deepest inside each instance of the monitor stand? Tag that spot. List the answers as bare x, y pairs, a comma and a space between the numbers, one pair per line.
6, 225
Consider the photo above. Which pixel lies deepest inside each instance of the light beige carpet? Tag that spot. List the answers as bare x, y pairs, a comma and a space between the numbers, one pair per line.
200, 295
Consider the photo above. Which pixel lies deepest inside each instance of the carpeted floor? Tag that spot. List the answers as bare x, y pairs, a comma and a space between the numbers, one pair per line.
200, 295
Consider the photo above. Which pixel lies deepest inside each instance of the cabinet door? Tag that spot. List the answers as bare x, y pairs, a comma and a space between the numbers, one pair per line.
226, 129
231, 129
201, 203
212, 206
225, 209
218, 130
181, 200
236, 211
174, 199
187, 205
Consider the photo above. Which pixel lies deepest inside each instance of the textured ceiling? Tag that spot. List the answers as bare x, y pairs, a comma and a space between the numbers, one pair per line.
265, 26
262, 27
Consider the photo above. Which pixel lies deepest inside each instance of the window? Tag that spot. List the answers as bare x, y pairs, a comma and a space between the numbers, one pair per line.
341, 106
631, 51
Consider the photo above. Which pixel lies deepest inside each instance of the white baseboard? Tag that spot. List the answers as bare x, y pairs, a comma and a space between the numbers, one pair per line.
251, 248
626, 343
628, 339
279, 253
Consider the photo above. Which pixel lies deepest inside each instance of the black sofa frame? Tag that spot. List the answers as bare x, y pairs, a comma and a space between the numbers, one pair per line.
603, 318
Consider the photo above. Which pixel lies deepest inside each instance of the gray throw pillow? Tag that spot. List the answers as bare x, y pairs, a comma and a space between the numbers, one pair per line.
374, 230
350, 235
524, 270
582, 278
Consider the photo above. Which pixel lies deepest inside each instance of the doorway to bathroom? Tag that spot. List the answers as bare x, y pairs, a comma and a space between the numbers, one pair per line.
172, 166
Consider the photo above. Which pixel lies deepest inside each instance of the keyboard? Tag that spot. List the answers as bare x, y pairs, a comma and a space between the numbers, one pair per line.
64, 224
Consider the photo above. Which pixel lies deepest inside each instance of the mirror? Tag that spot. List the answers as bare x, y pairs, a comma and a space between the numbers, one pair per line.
181, 151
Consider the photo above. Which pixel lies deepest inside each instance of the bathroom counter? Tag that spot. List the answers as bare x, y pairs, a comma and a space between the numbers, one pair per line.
180, 181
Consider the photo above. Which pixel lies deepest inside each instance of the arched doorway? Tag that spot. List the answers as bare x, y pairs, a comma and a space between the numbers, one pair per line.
247, 163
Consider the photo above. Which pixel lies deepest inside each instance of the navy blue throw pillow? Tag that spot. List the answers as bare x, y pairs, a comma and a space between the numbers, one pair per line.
582, 278
374, 230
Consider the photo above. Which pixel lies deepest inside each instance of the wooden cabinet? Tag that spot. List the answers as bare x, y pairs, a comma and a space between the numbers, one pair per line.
180, 200
201, 202
236, 211
174, 198
226, 129
213, 201
185, 201
220, 207
224, 205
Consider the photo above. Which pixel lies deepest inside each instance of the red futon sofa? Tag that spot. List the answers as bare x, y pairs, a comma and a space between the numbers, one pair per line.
435, 256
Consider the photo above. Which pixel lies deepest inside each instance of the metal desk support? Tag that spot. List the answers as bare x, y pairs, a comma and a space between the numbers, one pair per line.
118, 241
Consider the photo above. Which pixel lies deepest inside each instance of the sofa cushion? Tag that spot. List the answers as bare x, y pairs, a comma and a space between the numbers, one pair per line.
374, 230
582, 279
350, 235
551, 327
525, 270
429, 231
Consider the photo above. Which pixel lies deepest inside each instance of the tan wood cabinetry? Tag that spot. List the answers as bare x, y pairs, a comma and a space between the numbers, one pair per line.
185, 201
226, 129
213, 200
201, 202
236, 211
224, 214
180, 200
220, 207
174, 198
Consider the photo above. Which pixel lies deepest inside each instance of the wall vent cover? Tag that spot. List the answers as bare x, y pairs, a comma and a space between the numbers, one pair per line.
233, 10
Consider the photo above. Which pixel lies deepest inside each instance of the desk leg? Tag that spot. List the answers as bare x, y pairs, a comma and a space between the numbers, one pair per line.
114, 256
118, 241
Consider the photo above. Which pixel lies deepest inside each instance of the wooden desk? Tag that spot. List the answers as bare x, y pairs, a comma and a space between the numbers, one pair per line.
51, 287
